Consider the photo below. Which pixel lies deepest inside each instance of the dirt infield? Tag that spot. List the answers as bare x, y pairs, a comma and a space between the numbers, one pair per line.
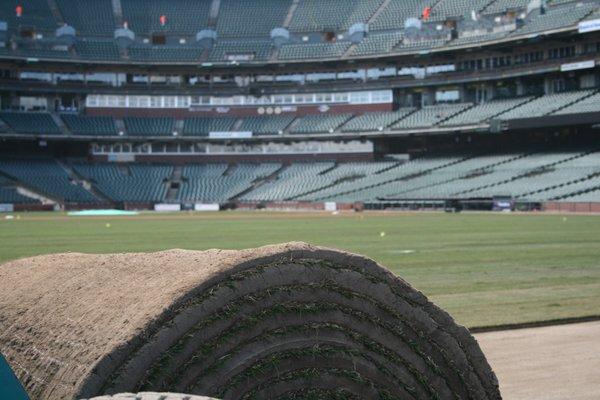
549, 363
282, 321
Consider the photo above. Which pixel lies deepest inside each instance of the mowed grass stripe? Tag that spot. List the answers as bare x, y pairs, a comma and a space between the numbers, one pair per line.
486, 269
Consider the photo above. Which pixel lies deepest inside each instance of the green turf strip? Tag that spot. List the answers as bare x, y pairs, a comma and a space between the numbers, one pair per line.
485, 269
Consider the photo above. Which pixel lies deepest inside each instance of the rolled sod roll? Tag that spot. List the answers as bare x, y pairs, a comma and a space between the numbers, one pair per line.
285, 321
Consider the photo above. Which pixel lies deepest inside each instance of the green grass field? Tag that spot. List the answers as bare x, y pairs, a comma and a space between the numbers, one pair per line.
485, 269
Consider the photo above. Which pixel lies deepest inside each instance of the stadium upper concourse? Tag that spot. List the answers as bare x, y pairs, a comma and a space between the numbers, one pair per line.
299, 103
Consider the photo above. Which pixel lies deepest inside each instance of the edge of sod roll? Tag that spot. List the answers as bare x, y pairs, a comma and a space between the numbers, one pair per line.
290, 320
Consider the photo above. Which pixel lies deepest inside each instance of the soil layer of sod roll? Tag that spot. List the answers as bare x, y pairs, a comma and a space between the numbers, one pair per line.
285, 321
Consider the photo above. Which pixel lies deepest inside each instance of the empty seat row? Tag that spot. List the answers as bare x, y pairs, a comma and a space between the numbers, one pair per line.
31, 123
375, 121
266, 125
149, 126
9, 193
239, 19
545, 105
216, 183
555, 18
184, 17
485, 111
137, 183
332, 15
377, 43
313, 50
48, 178
564, 176
429, 116
90, 126
319, 123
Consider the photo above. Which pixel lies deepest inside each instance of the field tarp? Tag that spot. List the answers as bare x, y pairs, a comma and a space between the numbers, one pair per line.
101, 213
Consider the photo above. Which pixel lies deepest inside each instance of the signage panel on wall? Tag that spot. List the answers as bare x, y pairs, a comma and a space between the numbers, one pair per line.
230, 135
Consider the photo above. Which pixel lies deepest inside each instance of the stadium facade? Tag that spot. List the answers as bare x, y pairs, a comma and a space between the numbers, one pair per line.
299, 103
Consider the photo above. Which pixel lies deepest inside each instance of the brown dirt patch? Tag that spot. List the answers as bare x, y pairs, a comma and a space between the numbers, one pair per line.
549, 363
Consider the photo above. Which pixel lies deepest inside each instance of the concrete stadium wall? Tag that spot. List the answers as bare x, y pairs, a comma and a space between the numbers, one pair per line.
232, 111
249, 158
576, 207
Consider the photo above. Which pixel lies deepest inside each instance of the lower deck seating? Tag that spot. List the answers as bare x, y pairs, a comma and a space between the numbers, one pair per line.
135, 183
292, 181
218, 183
47, 178
532, 177
545, 176
586, 196
9, 193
